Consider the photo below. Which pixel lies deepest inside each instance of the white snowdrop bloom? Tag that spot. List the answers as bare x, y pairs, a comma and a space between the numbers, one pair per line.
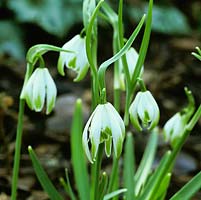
144, 111
75, 60
104, 125
173, 128
131, 58
39, 88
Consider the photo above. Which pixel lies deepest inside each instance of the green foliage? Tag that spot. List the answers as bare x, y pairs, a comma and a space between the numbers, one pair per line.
166, 19
43, 177
78, 157
188, 190
55, 17
11, 40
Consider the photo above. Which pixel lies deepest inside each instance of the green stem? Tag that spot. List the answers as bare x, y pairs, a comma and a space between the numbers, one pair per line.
91, 49
96, 167
117, 102
114, 174
17, 150
128, 100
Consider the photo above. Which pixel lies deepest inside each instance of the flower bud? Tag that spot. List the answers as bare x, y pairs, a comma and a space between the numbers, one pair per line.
144, 111
40, 87
104, 125
76, 59
174, 128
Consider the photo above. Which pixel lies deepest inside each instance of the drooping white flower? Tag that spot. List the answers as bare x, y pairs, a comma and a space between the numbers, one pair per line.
131, 58
173, 128
144, 111
39, 88
104, 125
75, 60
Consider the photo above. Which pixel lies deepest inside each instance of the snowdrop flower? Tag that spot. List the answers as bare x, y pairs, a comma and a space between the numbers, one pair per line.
144, 111
40, 87
131, 58
75, 60
104, 125
174, 128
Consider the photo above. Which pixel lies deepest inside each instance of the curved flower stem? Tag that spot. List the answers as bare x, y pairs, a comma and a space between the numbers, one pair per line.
95, 172
91, 49
17, 150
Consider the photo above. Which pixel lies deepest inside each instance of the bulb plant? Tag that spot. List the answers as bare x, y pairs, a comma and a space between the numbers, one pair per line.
108, 128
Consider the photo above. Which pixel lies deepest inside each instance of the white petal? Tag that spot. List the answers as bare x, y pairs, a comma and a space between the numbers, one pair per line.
96, 128
117, 135
65, 57
132, 57
39, 90
27, 91
51, 92
85, 136
118, 117
133, 112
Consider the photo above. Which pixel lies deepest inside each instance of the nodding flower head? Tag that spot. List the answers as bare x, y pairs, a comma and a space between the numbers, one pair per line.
174, 128
75, 60
131, 58
104, 125
144, 111
40, 87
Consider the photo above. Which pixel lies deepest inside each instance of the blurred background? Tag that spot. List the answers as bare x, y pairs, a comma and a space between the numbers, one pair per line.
169, 67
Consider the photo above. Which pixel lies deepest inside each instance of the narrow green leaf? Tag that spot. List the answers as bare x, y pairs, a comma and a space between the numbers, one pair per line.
189, 189
67, 186
117, 56
129, 167
115, 193
103, 185
155, 180
146, 162
144, 45
162, 190
43, 177
78, 158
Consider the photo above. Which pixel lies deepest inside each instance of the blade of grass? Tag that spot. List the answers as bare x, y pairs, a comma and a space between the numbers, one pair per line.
67, 185
154, 179
77, 153
146, 162
115, 193
129, 167
43, 177
188, 190
162, 190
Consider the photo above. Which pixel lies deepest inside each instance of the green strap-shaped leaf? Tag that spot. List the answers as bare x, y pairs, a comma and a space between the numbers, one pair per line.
43, 177
115, 193
129, 167
162, 190
77, 153
155, 179
146, 162
188, 190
